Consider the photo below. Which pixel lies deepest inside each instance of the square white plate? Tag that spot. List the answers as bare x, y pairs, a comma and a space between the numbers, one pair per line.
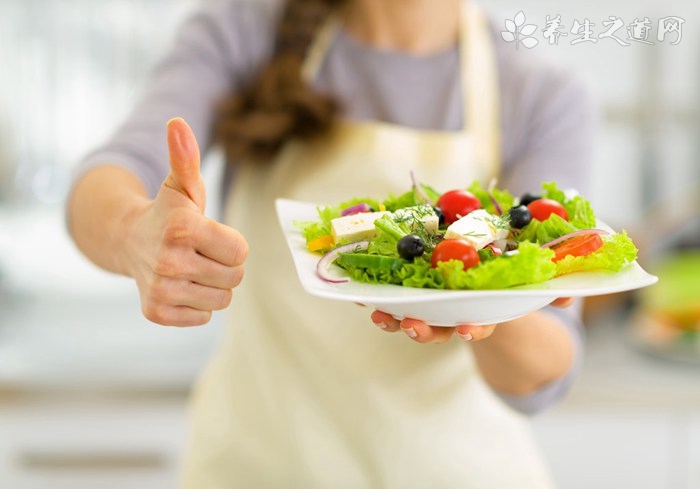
446, 307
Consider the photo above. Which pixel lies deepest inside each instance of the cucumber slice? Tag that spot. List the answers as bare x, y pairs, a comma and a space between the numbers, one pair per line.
375, 262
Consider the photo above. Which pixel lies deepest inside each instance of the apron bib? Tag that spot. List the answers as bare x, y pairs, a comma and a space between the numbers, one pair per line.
308, 393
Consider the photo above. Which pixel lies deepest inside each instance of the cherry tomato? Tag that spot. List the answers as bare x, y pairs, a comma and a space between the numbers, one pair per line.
455, 249
578, 246
457, 202
541, 209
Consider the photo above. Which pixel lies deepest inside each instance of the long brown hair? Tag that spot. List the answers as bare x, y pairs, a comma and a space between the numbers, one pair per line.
278, 104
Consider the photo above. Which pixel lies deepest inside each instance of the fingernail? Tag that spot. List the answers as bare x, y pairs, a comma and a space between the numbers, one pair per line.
411, 332
466, 337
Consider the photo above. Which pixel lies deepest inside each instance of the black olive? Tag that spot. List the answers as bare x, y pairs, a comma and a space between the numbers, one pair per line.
519, 216
527, 198
410, 247
440, 214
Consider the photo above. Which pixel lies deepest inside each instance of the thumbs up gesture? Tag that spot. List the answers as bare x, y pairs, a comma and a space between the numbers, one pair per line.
185, 264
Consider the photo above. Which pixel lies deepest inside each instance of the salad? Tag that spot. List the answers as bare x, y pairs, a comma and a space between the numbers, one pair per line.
472, 238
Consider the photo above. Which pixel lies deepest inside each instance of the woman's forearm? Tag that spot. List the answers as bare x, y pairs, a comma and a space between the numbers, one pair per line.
99, 207
525, 354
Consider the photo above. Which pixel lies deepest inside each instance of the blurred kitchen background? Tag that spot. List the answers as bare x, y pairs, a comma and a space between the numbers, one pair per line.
94, 396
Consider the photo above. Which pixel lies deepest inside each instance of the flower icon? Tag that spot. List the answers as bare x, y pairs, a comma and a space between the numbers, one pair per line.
519, 33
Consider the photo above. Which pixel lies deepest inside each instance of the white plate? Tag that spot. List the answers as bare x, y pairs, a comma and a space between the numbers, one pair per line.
446, 307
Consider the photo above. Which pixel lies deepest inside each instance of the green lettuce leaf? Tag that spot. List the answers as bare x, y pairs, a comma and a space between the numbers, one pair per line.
409, 199
530, 265
421, 274
374, 276
503, 197
542, 232
579, 210
390, 232
616, 252
417, 274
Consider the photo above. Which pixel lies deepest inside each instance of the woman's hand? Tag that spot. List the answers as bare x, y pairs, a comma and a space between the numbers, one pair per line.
424, 333
185, 264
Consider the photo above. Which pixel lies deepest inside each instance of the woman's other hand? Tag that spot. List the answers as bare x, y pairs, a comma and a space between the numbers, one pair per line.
421, 332
185, 264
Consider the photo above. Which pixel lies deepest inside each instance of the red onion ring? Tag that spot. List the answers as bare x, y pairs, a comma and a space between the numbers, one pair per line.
330, 257
580, 232
356, 209
492, 185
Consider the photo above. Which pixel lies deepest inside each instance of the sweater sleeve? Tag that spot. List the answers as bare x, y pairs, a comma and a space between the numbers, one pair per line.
548, 395
548, 125
216, 50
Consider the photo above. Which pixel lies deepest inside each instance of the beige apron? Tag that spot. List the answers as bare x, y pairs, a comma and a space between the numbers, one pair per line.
307, 393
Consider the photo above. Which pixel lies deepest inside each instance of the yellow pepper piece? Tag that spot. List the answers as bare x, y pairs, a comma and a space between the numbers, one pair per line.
382, 207
320, 244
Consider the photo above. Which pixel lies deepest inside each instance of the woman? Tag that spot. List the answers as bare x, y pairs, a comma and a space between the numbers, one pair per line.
332, 100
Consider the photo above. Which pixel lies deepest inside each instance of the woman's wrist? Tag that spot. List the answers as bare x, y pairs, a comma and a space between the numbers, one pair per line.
124, 239
103, 209
525, 354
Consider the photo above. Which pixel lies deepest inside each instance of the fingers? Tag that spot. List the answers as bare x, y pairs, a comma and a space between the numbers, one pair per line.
185, 174
180, 316
219, 242
205, 271
563, 302
422, 333
179, 302
385, 321
471, 333
195, 296
180, 280
413, 328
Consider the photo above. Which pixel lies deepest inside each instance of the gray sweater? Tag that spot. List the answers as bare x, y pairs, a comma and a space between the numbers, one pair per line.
547, 115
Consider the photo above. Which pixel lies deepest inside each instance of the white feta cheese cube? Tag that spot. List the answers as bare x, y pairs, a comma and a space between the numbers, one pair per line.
418, 217
477, 228
355, 227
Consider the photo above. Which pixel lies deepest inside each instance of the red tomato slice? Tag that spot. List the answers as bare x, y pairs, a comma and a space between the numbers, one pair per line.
454, 249
541, 209
578, 246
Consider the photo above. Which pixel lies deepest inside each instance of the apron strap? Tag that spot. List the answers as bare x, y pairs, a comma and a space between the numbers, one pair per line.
480, 87
318, 49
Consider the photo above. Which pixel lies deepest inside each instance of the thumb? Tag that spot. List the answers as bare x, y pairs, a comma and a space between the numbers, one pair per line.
183, 150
